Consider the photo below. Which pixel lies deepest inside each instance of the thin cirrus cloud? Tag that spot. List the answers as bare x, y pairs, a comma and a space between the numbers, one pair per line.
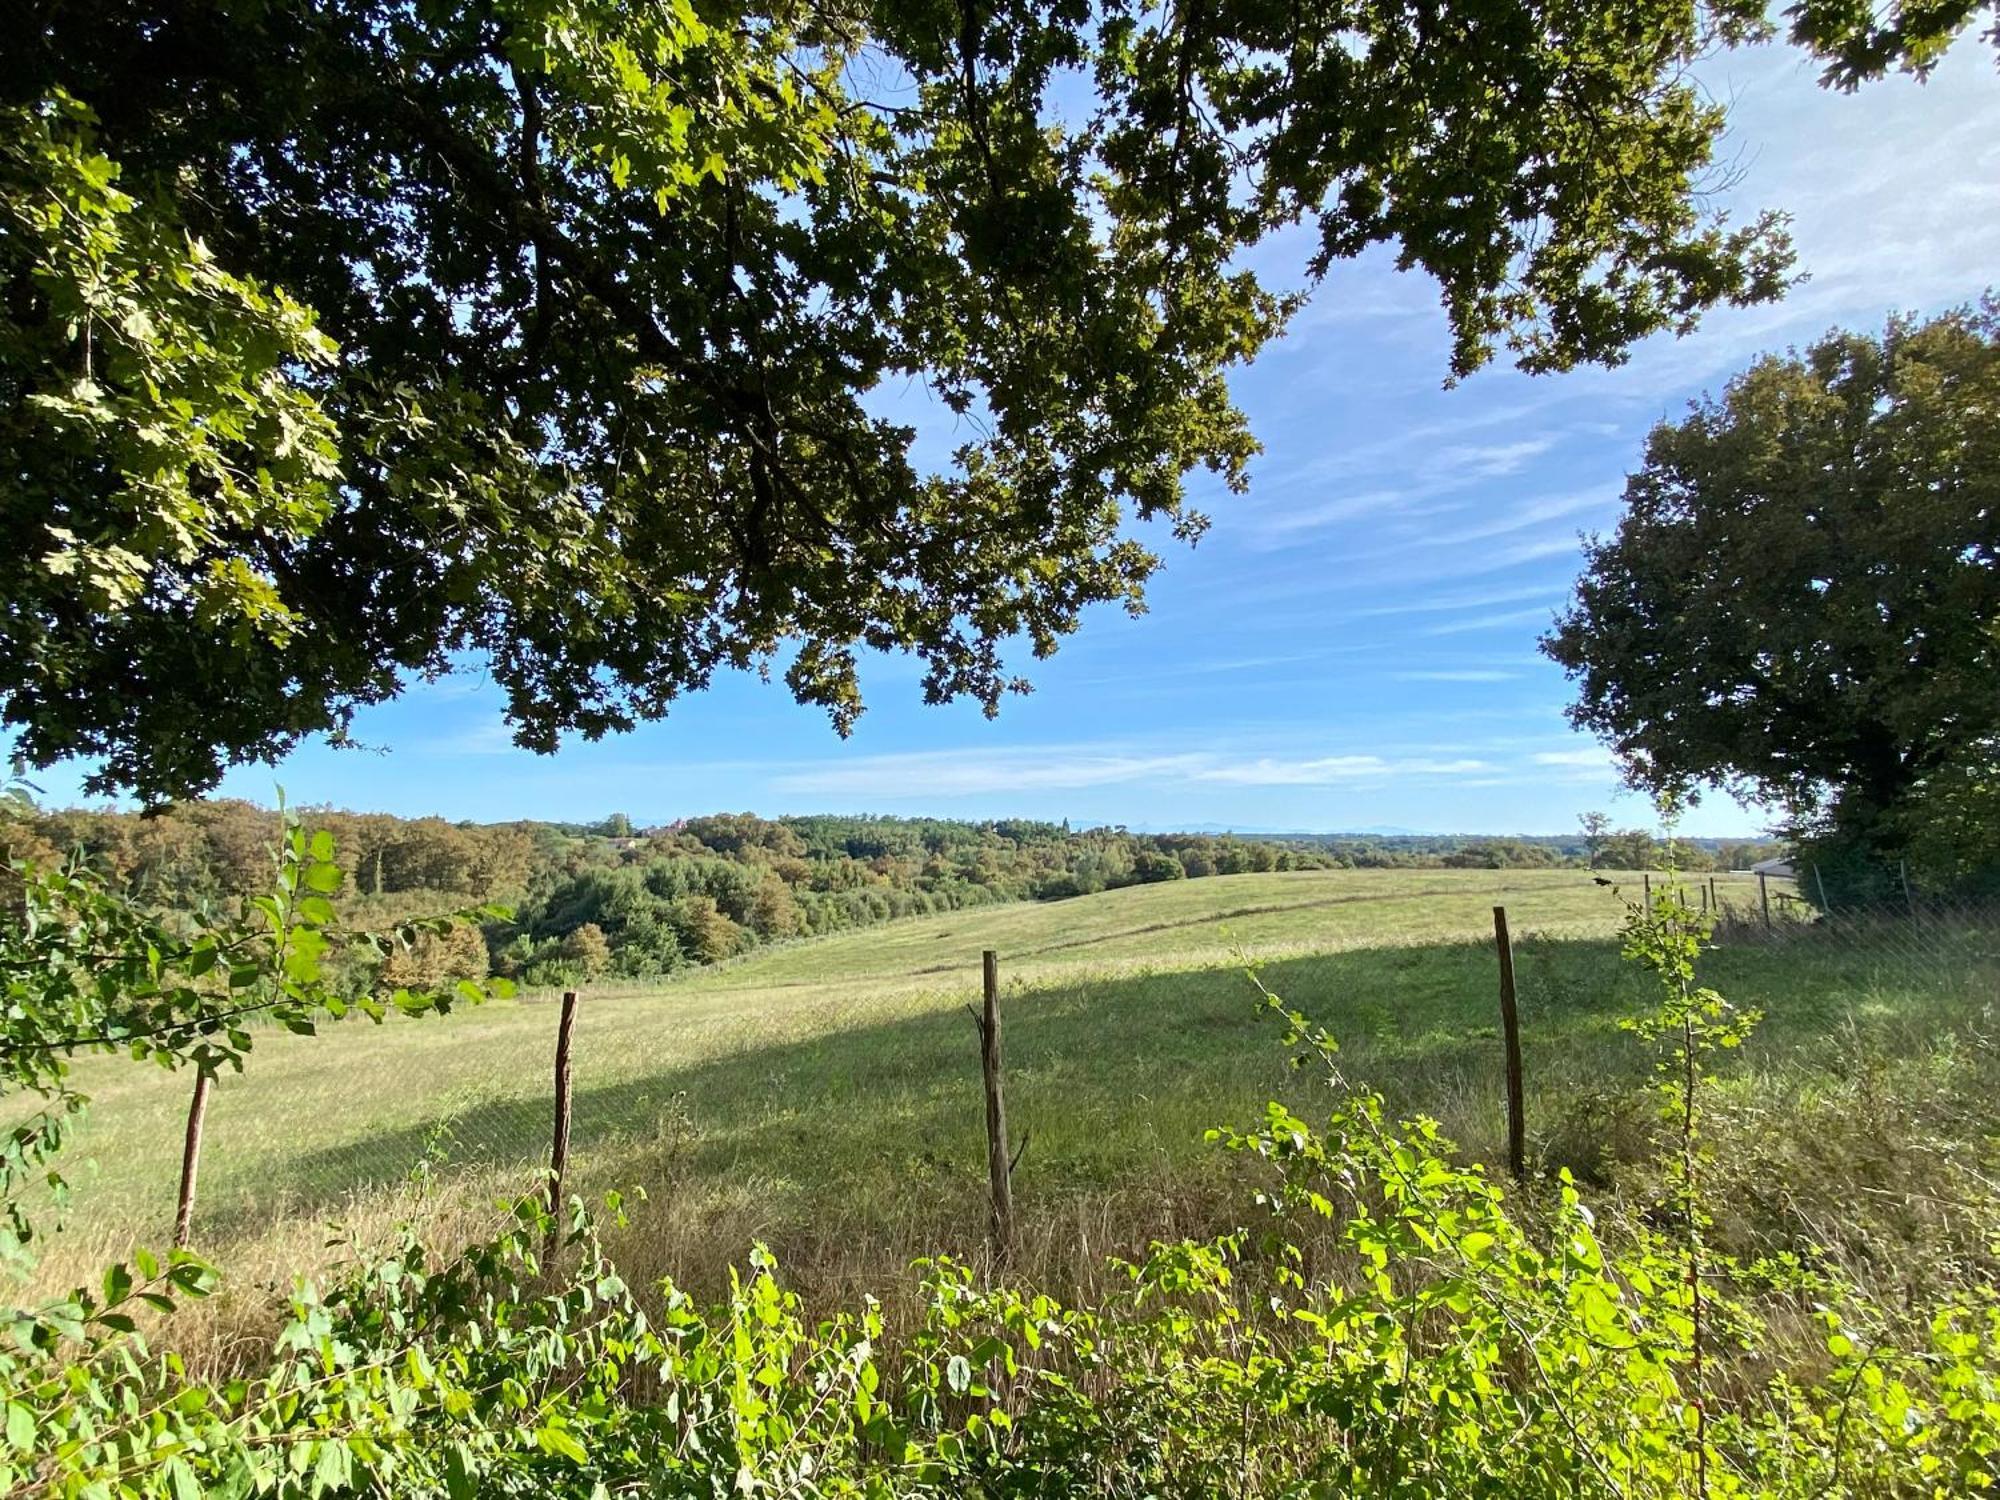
1533, 513
932, 775
1465, 463
1232, 665
1499, 559
1459, 674
1500, 621
1504, 521
1335, 770
1424, 476
488, 738
958, 773
1597, 756
1449, 603
1280, 524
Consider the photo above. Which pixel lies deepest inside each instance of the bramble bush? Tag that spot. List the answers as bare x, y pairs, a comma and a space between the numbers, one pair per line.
1387, 1321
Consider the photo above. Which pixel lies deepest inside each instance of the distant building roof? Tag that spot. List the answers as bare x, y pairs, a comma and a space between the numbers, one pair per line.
1784, 869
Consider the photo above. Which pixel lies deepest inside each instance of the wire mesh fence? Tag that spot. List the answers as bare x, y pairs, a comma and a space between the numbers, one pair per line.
751, 1091
364, 1123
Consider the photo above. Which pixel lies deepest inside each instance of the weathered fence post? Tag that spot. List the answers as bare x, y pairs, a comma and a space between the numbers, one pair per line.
1820, 881
999, 1170
1648, 879
559, 1147
1764, 895
1909, 897
1510, 1031
191, 1158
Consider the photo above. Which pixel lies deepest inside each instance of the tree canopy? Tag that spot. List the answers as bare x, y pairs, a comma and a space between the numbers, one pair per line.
342, 342
1803, 598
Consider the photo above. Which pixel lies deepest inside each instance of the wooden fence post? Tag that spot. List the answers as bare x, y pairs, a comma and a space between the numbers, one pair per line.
559, 1147
1510, 1031
999, 1170
1764, 895
191, 1158
1648, 879
1820, 881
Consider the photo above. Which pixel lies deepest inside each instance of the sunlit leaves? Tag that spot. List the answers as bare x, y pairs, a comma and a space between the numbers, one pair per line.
177, 393
616, 289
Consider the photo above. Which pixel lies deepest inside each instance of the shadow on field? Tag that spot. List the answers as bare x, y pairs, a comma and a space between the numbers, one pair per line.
1111, 1078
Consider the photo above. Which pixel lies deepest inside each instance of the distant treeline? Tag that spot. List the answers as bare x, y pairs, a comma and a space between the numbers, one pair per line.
612, 898
1597, 846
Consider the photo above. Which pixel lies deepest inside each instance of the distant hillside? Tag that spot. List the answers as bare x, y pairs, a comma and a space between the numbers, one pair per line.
1625, 849
611, 897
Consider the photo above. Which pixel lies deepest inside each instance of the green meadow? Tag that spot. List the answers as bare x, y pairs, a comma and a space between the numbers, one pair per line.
823, 1097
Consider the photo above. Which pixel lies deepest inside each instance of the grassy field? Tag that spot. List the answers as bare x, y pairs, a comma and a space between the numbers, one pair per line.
824, 1096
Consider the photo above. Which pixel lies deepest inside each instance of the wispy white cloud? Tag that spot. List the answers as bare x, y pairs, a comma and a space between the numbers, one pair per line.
1379, 299
1333, 770
1467, 463
1409, 475
1464, 674
1484, 599
1528, 514
1498, 560
1598, 756
1499, 621
489, 738
1470, 538
453, 688
1280, 524
931, 775
1210, 667
958, 773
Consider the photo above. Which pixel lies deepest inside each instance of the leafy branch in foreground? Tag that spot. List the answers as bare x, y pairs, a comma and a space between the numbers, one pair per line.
87, 969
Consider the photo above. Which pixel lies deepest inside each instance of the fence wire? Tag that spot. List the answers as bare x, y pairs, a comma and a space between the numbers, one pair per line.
372, 1123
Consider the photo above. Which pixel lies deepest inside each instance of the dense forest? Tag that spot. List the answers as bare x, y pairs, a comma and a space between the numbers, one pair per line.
612, 898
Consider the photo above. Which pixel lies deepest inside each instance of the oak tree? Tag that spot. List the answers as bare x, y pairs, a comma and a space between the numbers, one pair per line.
344, 342
1802, 600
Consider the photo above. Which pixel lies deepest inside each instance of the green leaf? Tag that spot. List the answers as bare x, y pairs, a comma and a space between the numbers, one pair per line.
334, 1468
559, 1444
461, 1481
181, 1479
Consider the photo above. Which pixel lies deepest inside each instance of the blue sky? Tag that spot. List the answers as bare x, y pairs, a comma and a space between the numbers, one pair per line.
1353, 644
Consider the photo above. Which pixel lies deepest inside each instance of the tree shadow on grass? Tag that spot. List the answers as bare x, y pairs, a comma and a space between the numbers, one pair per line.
1107, 1076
